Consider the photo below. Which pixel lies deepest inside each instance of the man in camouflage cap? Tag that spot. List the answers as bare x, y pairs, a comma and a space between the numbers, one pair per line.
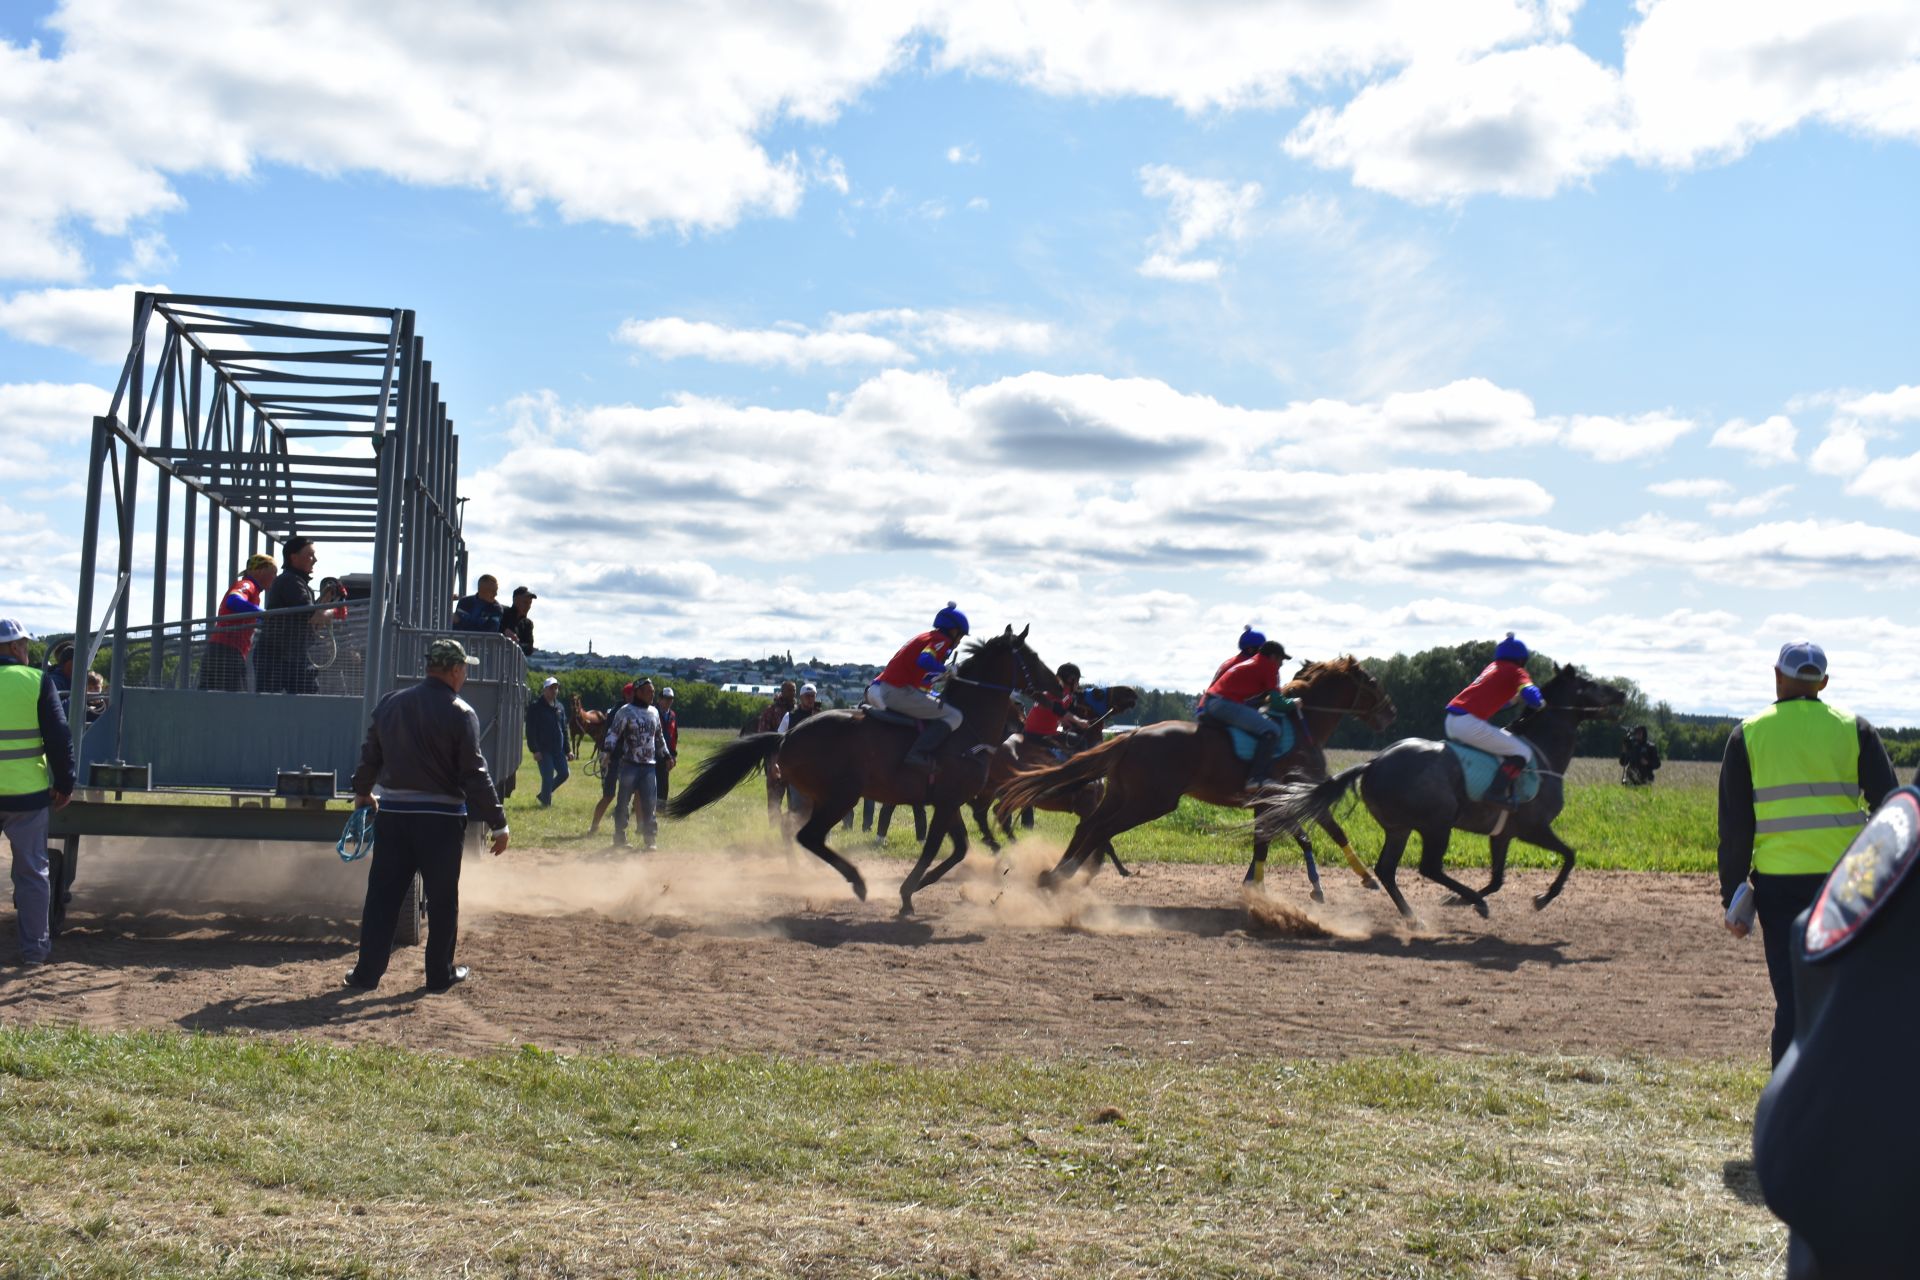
423, 753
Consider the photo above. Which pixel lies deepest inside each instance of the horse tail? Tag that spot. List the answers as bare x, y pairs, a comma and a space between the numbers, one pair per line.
724, 770
1289, 806
1030, 786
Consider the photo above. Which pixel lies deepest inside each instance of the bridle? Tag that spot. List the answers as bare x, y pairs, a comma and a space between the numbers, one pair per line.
1022, 655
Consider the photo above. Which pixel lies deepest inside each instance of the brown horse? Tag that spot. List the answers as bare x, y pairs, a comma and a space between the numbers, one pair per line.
836, 758
590, 725
1147, 771
1019, 753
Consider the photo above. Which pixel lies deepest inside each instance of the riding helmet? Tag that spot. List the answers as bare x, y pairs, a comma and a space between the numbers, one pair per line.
1510, 650
1251, 639
950, 618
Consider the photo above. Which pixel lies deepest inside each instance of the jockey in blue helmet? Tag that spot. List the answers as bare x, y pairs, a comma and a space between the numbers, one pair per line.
905, 684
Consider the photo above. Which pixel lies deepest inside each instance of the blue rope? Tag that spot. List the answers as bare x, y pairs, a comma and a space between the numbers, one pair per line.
359, 831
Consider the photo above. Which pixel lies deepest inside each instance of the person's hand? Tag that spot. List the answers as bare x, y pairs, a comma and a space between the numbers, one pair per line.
365, 801
61, 799
773, 771
1738, 928
499, 843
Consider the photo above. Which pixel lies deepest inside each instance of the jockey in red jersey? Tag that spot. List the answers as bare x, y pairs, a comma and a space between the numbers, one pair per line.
905, 685
1504, 680
1050, 715
1229, 700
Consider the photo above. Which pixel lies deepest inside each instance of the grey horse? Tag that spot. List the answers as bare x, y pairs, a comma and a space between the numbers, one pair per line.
1417, 785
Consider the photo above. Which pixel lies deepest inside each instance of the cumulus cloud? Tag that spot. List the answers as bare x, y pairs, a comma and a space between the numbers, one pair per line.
1201, 210
96, 323
1622, 439
1893, 482
50, 412
1764, 443
1698, 488
1757, 504
889, 337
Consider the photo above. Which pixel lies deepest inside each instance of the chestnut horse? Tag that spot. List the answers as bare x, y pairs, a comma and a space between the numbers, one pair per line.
1018, 752
591, 725
835, 758
1147, 771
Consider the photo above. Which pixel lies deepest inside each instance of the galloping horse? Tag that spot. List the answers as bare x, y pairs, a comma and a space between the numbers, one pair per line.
1148, 770
1019, 753
1417, 785
591, 725
837, 757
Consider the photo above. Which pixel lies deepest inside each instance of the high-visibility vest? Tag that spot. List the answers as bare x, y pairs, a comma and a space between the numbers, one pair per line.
1805, 759
23, 756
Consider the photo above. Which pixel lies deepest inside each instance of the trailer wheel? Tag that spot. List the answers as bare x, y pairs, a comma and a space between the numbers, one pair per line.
410, 928
62, 855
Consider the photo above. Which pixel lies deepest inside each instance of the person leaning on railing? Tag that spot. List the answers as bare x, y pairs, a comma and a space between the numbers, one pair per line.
36, 776
223, 664
1791, 784
281, 664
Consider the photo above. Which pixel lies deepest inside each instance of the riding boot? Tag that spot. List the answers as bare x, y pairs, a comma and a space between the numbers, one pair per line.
1262, 762
932, 734
1508, 780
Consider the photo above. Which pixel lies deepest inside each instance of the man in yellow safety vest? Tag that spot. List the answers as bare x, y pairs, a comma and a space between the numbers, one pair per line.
1791, 786
36, 776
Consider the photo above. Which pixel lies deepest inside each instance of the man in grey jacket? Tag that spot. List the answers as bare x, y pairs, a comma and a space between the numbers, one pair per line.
423, 751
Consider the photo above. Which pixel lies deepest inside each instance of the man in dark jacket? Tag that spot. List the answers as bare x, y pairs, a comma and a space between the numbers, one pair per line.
1639, 758
36, 776
480, 611
515, 624
547, 739
280, 659
670, 733
423, 751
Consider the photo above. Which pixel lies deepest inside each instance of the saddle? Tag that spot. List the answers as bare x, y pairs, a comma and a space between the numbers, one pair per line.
1244, 742
883, 716
1478, 769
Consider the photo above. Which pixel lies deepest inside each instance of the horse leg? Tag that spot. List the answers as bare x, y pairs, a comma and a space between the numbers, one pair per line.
813, 838
1553, 844
1433, 854
1338, 834
1305, 842
1390, 850
929, 846
959, 829
979, 808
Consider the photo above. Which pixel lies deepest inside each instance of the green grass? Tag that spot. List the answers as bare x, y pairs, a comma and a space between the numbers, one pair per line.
174, 1155
1670, 826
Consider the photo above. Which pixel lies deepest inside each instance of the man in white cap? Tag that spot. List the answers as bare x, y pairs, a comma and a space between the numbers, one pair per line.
547, 739
36, 777
1791, 786
807, 702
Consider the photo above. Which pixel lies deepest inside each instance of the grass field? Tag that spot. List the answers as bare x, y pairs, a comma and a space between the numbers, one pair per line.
1670, 826
145, 1155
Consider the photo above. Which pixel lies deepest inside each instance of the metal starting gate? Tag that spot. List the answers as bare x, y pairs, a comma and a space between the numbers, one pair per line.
259, 421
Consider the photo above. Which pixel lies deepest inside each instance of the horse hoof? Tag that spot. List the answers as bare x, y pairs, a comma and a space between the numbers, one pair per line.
1318, 895
906, 908
860, 888
1370, 883
1541, 901
1480, 909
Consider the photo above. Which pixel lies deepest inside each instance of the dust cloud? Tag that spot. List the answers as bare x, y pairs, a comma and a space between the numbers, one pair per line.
261, 880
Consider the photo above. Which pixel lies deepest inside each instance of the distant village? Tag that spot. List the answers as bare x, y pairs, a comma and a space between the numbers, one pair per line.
839, 684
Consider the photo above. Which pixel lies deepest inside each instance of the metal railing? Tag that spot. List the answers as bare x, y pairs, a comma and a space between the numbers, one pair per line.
307, 649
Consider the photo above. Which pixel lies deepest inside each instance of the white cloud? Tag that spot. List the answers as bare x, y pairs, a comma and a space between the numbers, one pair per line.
1765, 442
53, 412
672, 338
1893, 482
965, 331
1701, 488
1844, 451
1902, 404
1701, 81
963, 153
1757, 504
1621, 439
95, 323
1202, 210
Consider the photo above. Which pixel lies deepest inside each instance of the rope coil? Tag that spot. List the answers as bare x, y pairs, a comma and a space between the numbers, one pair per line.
359, 833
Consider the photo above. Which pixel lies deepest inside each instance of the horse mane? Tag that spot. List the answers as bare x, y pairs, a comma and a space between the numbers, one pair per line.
1344, 665
978, 651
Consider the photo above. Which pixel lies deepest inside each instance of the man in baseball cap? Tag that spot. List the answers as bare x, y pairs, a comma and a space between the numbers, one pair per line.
36, 777
1792, 783
547, 739
515, 624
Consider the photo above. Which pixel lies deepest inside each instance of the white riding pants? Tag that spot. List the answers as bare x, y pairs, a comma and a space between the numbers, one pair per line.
1472, 731
917, 703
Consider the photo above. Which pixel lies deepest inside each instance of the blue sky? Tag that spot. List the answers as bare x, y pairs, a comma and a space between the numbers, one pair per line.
1382, 326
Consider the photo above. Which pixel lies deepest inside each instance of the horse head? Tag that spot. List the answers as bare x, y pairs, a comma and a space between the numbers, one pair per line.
1005, 662
1573, 690
1344, 685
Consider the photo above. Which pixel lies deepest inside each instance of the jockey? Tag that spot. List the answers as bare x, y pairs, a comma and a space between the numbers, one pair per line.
1250, 642
905, 685
1493, 690
1229, 700
1050, 715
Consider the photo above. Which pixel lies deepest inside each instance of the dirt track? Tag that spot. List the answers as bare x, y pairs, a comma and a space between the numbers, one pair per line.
684, 953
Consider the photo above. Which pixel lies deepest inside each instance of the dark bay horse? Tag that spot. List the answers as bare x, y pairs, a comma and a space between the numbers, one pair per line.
1416, 785
835, 758
1018, 753
1147, 771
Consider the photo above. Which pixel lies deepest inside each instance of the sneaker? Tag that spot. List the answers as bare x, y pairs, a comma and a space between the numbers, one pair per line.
650, 847
546, 802
619, 842
460, 975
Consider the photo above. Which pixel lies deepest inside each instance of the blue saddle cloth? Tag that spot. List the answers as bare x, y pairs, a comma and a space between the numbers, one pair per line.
1243, 742
1480, 768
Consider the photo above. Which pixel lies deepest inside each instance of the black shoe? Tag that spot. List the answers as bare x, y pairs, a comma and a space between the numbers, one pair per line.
358, 983
460, 975
932, 734
619, 842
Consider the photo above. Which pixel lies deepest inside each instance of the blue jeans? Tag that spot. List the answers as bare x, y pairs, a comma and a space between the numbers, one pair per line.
1240, 716
638, 787
32, 891
553, 772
